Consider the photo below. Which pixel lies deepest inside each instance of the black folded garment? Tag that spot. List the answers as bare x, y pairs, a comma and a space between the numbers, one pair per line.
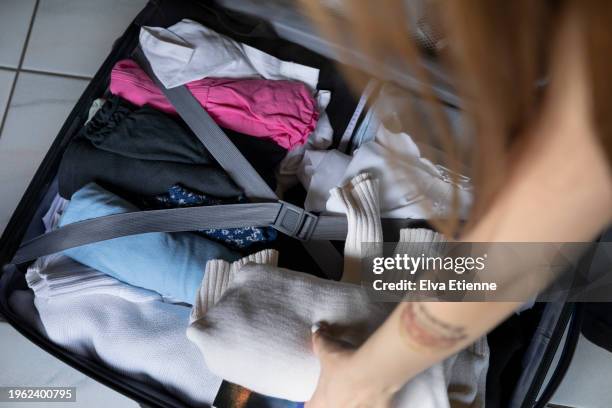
83, 163
144, 152
143, 133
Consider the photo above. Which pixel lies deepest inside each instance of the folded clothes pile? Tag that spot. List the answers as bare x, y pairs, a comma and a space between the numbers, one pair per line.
129, 298
187, 51
134, 330
135, 153
182, 310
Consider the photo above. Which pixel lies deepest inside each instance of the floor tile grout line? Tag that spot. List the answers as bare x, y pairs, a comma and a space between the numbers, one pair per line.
19, 65
57, 74
8, 102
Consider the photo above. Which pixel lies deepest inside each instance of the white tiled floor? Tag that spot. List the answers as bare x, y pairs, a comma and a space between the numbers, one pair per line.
6, 82
587, 382
15, 17
48, 51
82, 34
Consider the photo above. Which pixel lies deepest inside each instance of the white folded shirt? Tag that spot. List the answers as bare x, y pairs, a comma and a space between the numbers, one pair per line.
188, 51
410, 185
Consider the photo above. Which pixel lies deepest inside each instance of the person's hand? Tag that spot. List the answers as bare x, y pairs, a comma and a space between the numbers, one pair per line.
343, 382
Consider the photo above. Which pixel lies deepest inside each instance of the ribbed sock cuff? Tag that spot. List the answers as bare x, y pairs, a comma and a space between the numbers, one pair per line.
359, 198
416, 242
217, 277
421, 241
420, 235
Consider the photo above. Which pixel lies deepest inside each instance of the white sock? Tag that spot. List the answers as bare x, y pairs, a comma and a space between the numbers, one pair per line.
417, 241
432, 242
217, 278
359, 198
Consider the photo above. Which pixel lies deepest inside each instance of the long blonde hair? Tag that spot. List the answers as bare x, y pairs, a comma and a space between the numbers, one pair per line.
497, 53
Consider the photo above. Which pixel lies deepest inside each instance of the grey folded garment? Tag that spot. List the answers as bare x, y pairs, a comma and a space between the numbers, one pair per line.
252, 321
258, 332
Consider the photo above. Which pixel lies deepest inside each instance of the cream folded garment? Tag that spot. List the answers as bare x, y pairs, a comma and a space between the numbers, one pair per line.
59, 277
257, 334
359, 201
252, 320
252, 324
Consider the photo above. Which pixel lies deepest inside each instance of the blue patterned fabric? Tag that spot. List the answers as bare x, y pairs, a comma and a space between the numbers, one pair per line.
172, 264
237, 238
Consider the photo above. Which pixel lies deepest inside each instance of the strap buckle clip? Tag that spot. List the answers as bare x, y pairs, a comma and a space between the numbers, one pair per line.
295, 221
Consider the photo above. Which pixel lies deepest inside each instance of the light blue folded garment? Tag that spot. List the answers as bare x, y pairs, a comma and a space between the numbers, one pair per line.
171, 264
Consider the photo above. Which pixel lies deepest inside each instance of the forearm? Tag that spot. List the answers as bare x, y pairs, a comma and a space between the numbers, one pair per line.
419, 334
536, 206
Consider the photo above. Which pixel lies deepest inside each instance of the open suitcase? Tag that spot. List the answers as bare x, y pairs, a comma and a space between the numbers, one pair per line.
519, 376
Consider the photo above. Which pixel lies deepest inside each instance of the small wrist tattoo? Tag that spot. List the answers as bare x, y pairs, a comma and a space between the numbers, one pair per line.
427, 331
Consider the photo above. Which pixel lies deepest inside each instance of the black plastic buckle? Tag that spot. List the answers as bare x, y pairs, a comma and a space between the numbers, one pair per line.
295, 221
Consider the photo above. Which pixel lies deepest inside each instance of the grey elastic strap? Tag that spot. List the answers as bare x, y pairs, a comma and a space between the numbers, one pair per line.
212, 137
140, 222
282, 216
370, 88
